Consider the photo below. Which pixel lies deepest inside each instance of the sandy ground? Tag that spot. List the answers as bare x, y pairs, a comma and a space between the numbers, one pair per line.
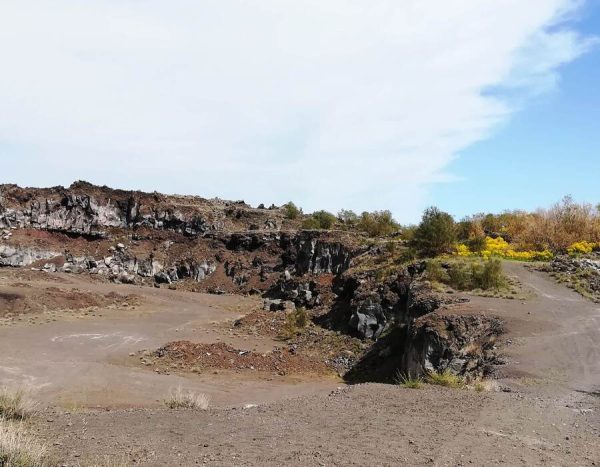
85, 359
550, 416
370, 424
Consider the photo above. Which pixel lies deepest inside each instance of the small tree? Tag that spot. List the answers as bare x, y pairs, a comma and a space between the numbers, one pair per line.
436, 233
321, 220
377, 223
325, 219
347, 217
291, 211
310, 223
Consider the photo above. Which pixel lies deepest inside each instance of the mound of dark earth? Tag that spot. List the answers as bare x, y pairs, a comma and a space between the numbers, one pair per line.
187, 356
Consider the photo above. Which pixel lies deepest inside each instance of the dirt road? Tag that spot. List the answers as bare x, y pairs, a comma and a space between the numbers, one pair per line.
78, 359
553, 337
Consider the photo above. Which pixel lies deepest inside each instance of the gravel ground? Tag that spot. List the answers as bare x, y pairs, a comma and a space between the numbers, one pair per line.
370, 424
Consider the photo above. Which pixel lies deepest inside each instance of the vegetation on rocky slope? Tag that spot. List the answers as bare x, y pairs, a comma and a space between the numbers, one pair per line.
358, 275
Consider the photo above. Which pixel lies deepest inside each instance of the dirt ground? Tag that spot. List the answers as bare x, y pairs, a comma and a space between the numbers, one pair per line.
370, 424
90, 356
102, 402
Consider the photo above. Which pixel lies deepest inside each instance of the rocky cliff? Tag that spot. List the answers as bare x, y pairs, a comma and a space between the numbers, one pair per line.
85, 209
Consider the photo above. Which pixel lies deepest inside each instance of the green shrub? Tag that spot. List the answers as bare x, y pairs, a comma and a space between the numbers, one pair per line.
310, 223
294, 321
347, 217
319, 220
377, 223
300, 318
468, 275
325, 219
436, 233
391, 247
488, 275
291, 211
459, 277
476, 244
408, 232
435, 272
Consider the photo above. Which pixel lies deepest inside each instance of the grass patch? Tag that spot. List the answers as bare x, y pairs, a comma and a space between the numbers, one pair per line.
481, 277
446, 379
295, 321
582, 281
406, 380
16, 405
468, 274
180, 399
18, 449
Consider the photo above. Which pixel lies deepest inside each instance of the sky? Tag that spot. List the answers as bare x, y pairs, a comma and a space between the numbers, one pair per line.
547, 150
469, 105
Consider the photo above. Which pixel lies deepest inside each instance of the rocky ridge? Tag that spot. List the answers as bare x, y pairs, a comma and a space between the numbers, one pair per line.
218, 246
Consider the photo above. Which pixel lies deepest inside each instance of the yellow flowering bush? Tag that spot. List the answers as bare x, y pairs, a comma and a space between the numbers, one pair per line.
463, 250
500, 248
582, 247
495, 247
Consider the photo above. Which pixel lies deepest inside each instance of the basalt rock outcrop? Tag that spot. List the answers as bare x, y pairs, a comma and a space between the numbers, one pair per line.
86, 209
579, 273
313, 256
17, 256
457, 343
133, 236
461, 344
367, 304
304, 293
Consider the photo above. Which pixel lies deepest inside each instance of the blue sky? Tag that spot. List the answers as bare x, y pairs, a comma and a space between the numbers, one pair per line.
469, 105
549, 149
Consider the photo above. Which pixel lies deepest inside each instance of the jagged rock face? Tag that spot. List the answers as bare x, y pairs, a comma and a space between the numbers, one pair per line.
237, 272
101, 214
85, 209
369, 305
301, 252
71, 213
316, 257
23, 256
119, 266
306, 294
421, 300
435, 342
83, 215
196, 270
372, 304
368, 318
458, 343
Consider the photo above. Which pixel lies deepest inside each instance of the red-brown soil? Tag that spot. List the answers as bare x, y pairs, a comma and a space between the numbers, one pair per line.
187, 356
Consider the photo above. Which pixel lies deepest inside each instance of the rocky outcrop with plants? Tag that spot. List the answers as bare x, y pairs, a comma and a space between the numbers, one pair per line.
360, 284
581, 273
86, 209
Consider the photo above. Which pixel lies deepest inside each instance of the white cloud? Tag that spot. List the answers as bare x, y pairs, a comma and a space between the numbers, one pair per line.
337, 103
